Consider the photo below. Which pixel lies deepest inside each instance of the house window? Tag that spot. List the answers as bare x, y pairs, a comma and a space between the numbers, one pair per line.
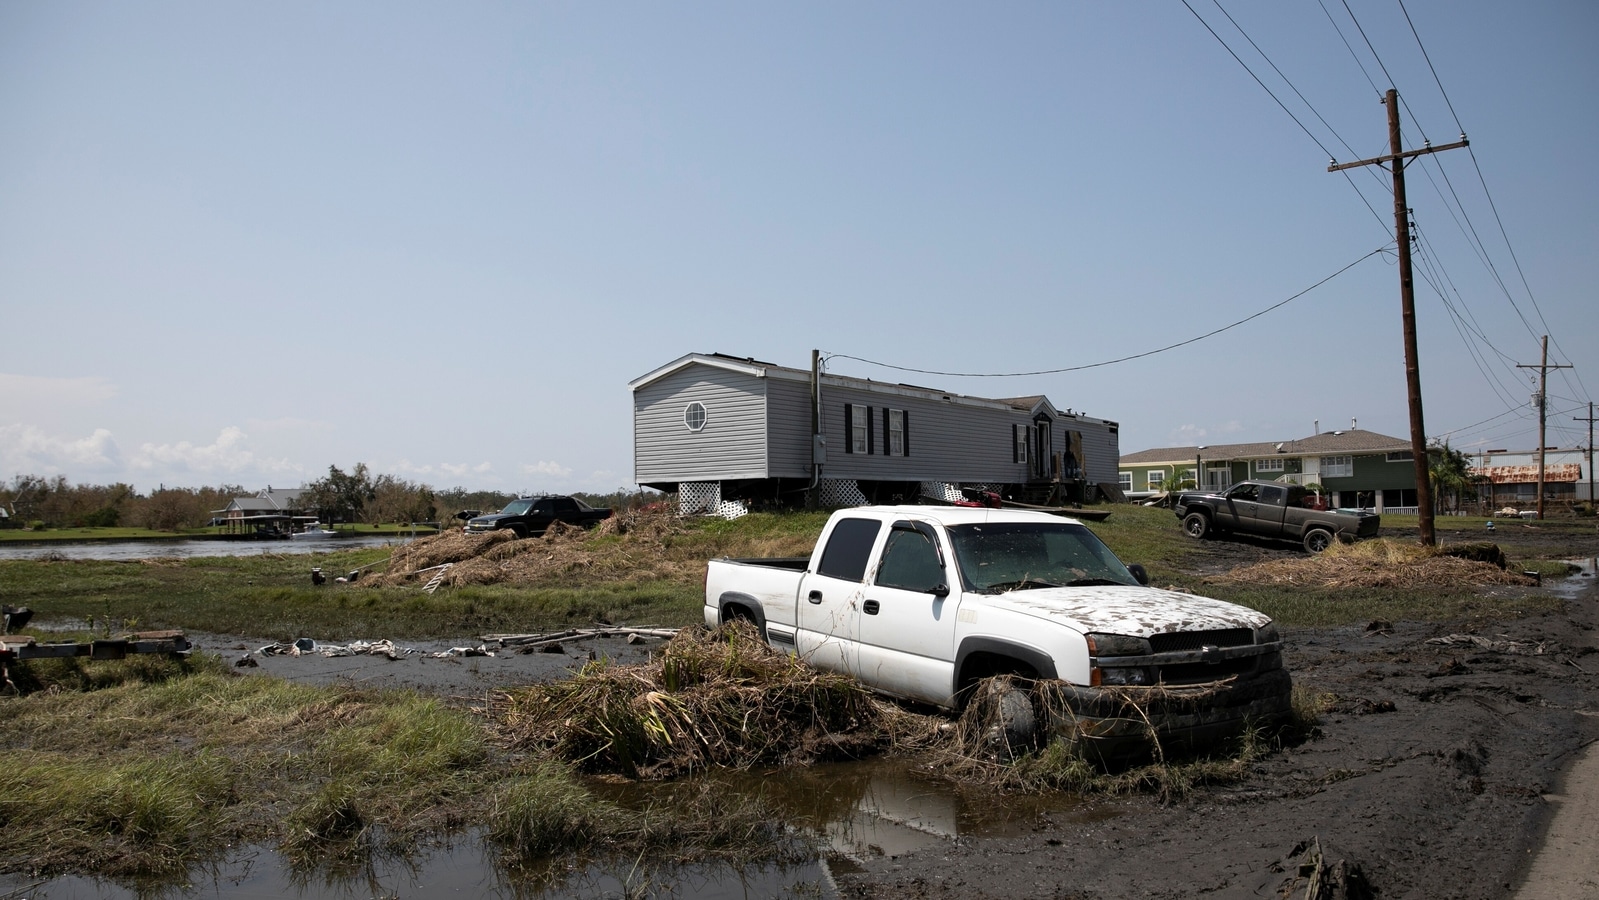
1021, 436
1269, 465
1157, 477
694, 416
1401, 456
1190, 476
858, 424
1337, 466
1124, 480
894, 432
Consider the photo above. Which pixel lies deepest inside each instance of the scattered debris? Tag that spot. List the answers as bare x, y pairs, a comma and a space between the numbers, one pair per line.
1521, 648
719, 698
1383, 563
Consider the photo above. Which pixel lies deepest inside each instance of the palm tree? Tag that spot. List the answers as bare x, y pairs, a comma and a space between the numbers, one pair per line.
1449, 470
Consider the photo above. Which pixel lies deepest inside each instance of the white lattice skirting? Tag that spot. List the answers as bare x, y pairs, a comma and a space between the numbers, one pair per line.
841, 492
698, 497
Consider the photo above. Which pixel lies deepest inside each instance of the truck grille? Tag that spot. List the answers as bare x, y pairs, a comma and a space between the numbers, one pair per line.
1194, 640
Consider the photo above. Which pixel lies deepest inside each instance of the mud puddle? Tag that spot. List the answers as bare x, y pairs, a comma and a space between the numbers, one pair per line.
852, 813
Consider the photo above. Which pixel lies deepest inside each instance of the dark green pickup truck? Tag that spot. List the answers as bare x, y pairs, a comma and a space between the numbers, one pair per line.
1273, 510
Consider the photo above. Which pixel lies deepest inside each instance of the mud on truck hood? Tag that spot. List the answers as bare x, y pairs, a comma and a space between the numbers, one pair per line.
1128, 609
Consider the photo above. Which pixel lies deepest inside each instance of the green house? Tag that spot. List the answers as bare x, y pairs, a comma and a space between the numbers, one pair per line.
1359, 469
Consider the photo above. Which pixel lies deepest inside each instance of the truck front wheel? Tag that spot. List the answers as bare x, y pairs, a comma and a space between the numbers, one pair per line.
1196, 525
1317, 540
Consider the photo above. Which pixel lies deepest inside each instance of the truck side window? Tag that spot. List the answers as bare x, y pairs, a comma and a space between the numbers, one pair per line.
849, 548
1273, 495
910, 562
1245, 492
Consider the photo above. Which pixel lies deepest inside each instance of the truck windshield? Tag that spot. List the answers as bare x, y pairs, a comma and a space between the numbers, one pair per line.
517, 507
1003, 556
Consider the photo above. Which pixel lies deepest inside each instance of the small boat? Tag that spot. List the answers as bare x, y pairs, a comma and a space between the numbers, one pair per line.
313, 531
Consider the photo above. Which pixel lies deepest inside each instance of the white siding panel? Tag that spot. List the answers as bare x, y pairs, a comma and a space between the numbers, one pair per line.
731, 445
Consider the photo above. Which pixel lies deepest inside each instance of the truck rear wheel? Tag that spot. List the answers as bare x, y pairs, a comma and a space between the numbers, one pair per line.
1196, 525
1317, 540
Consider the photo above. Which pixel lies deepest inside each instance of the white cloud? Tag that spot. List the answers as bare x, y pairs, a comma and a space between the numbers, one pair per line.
227, 455
547, 468
454, 470
26, 450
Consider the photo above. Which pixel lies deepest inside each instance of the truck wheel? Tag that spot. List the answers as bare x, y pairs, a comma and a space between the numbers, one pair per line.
1196, 525
1317, 540
1003, 714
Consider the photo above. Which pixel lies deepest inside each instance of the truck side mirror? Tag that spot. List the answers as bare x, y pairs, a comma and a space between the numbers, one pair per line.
940, 591
1138, 573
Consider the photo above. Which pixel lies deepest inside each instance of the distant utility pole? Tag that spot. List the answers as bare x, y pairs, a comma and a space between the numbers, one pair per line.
1407, 301
1543, 368
1589, 420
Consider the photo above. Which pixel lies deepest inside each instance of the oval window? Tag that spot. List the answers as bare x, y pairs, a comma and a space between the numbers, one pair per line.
694, 416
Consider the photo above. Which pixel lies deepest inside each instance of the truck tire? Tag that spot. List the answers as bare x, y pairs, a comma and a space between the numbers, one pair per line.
1196, 525
1317, 540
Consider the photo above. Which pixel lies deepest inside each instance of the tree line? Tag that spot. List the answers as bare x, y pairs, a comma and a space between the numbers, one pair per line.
356, 496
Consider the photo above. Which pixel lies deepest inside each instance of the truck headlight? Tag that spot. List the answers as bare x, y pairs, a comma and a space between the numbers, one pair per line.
1121, 675
1267, 634
1102, 645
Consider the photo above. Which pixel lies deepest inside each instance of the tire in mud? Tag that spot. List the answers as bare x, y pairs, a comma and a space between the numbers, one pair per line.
1196, 525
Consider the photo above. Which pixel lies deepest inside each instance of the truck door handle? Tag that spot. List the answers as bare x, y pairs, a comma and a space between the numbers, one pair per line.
814, 596
870, 607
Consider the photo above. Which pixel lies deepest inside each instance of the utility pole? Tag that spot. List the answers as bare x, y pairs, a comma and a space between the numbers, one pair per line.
1543, 368
1589, 420
1407, 301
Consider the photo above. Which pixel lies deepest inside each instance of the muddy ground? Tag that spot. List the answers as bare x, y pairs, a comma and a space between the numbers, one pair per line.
1430, 776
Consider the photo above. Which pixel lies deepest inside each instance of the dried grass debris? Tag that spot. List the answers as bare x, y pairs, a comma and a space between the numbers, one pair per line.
1379, 563
564, 551
711, 698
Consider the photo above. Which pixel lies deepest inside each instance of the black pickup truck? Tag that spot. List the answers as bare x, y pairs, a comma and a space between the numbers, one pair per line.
531, 516
1273, 510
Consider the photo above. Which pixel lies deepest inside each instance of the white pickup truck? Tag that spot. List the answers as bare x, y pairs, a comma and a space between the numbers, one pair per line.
923, 602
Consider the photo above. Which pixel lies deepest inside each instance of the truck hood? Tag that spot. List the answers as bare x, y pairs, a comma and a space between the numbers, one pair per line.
491, 519
1128, 609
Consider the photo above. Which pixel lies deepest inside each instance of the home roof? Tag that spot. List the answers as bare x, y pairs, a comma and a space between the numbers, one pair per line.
1353, 442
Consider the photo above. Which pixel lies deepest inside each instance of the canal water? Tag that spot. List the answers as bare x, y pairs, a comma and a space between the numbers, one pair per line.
185, 548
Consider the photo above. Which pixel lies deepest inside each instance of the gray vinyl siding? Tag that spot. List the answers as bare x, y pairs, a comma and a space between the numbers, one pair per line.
1101, 447
949, 441
731, 445
788, 428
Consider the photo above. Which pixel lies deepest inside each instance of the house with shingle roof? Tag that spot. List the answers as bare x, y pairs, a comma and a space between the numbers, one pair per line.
1360, 469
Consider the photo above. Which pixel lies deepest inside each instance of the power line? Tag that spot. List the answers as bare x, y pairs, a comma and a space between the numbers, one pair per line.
1111, 362
1257, 79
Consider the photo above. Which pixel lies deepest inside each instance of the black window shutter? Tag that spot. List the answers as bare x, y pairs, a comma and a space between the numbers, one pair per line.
849, 428
871, 437
888, 443
905, 432
1013, 456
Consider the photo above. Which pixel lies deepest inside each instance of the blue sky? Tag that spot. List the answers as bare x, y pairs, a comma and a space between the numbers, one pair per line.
240, 243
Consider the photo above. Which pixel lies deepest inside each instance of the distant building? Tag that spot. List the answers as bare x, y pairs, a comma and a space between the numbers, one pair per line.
719, 429
1360, 469
1510, 477
271, 507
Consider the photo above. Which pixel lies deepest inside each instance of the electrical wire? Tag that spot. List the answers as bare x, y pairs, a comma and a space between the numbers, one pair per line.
1111, 362
1262, 84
